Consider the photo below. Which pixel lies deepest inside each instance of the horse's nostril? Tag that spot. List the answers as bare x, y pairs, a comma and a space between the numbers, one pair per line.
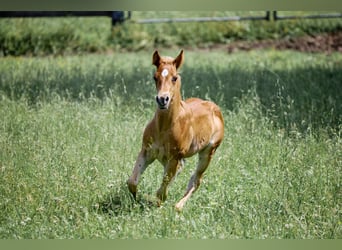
162, 101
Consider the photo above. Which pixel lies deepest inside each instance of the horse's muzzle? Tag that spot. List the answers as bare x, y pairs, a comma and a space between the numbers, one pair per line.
163, 101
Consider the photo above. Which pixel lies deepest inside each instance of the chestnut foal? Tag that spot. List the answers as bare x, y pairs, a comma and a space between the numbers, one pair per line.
178, 130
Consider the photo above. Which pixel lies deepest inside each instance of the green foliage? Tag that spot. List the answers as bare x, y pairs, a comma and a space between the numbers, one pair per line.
46, 36
71, 129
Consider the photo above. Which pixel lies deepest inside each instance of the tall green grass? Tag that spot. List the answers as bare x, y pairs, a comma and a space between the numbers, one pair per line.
73, 35
303, 92
71, 129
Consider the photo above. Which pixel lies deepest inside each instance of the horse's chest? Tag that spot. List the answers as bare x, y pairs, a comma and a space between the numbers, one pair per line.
168, 146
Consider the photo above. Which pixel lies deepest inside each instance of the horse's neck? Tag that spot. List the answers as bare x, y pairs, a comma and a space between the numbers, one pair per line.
166, 118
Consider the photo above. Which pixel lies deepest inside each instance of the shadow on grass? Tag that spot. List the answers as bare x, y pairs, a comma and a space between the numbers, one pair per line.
309, 96
122, 202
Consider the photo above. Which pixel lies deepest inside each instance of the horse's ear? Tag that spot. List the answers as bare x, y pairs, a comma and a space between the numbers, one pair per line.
156, 58
179, 60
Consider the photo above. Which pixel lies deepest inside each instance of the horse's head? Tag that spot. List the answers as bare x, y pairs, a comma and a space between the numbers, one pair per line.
166, 78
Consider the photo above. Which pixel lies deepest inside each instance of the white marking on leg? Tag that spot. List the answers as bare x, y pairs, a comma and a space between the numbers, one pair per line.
164, 73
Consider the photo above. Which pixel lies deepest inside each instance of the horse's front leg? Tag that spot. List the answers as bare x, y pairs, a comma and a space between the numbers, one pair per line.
170, 170
143, 160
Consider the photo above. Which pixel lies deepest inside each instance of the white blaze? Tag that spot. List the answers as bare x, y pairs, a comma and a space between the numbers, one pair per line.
165, 72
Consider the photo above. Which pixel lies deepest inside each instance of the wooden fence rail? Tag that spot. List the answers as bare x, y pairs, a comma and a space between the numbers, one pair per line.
118, 17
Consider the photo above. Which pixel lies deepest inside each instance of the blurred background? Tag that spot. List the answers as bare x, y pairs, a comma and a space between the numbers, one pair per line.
84, 32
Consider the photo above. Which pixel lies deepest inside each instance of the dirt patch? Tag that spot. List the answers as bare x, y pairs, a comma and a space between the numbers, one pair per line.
327, 42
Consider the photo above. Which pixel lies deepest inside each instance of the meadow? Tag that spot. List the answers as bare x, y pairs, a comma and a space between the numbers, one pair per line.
71, 128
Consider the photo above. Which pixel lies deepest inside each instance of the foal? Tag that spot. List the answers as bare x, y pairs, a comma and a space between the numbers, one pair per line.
178, 130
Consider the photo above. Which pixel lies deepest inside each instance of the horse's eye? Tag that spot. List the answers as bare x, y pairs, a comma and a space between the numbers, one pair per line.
174, 78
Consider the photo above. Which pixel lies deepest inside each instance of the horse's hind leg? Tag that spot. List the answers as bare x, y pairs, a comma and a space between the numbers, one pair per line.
195, 180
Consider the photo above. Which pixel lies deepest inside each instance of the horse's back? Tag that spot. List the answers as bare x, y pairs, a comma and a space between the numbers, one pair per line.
202, 108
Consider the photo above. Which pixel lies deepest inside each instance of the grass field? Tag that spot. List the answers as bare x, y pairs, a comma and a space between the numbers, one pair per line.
71, 129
